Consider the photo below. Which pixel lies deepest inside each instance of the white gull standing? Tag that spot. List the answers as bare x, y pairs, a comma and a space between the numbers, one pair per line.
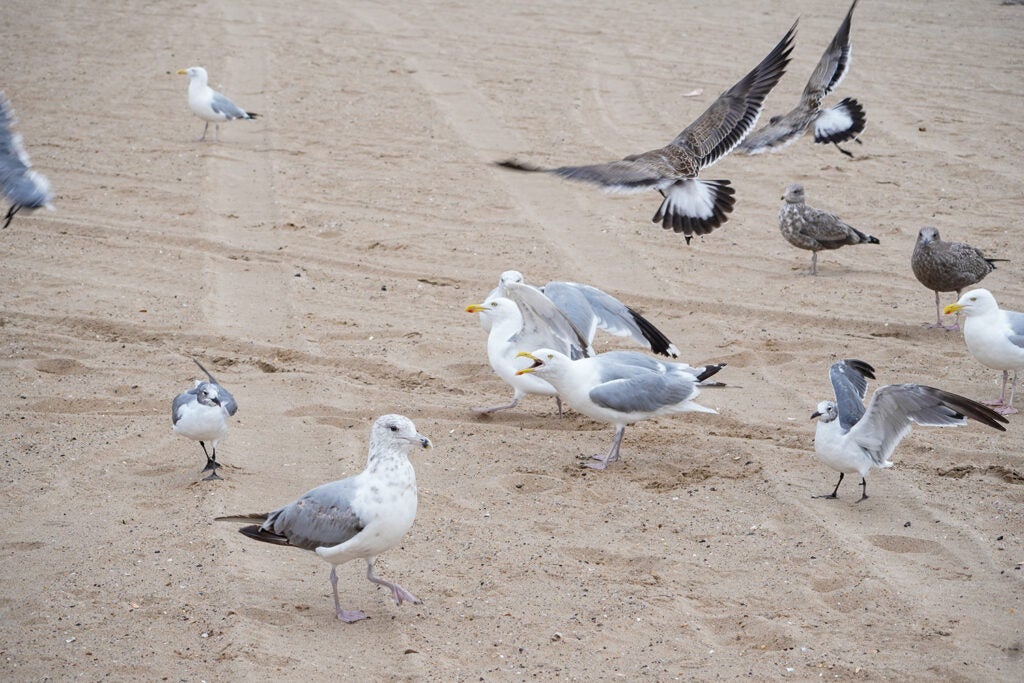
853, 439
208, 104
358, 517
590, 309
524, 320
201, 414
24, 188
620, 388
995, 337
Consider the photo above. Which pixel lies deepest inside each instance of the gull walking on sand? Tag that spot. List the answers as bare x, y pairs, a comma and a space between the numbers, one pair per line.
357, 517
590, 309
526, 319
24, 188
845, 121
691, 206
201, 414
995, 337
210, 105
853, 439
808, 228
621, 388
947, 267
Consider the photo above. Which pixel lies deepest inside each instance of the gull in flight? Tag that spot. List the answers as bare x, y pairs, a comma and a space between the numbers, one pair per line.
620, 388
24, 188
590, 309
853, 439
210, 105
201, 414
995, 337
357, 517
843, 122
690, 206
947, 267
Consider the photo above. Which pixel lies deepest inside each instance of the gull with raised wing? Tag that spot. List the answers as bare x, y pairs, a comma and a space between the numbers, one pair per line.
201, 414
358, 517
24, 188
845, 121
524, 319
590, 309
691, 206
210, 105
620, 388
995, 337
946, 267
853, 439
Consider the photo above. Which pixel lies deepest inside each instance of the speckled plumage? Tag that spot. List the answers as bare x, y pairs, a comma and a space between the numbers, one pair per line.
808, 228
947, 267
845, 121
691, 206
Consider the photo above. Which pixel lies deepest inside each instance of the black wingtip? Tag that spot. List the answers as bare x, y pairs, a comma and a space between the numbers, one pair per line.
970, 408
861, 367
253, 115
660, 344
519, 166
710, 371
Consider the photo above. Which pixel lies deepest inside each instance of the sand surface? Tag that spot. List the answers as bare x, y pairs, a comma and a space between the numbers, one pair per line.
318, 261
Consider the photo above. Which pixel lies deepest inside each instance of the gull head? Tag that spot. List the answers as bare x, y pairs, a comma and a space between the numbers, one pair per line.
206, 394
513, 277
496, 308
545, 362
974, 302
826, 412
194, 73
397, 432
926, 235
794, 194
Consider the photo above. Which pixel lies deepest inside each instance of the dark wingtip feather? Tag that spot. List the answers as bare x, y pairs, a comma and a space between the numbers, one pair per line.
861, 367
710, 370
971, 408
660, 344
258, 533
518, 166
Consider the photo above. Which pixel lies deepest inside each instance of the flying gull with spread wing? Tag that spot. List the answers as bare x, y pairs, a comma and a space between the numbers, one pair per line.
691, 206
845, 121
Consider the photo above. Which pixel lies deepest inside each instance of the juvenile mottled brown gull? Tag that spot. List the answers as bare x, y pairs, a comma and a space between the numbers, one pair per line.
201, 414
947, 267
524, 319
210, 105
808, 228
853, 439
620, 388
590, 309
691, 206
24, 188
843, 122
357, 517
995, 337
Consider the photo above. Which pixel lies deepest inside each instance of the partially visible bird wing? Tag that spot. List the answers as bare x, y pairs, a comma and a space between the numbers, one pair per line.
544, 325
850, 384
833, 65
893, 407
729, 118
320, 517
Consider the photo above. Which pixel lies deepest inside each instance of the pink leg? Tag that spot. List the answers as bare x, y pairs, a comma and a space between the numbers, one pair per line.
613, 453
348, 616
397, 592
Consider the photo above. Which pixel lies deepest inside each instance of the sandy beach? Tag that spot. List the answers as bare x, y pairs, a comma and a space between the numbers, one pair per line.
318, 261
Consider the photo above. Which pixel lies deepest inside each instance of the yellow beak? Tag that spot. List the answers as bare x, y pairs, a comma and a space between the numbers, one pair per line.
952, 308
475, 308
524, 354
181, 72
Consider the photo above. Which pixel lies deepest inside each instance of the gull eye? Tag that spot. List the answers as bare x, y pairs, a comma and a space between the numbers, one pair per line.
393, 428
550, 356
